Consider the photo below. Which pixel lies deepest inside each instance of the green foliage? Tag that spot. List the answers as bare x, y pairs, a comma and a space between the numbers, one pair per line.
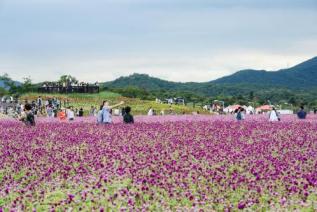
301, 76
67, 79
134, 92
296, 85
9, 83
26, 86
243, 93
3, 91
13, 87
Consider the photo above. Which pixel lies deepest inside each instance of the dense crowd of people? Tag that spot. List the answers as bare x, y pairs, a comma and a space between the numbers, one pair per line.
52, 108
55, 108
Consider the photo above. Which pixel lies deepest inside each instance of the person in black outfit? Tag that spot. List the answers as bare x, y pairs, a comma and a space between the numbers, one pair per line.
127, 117
81, 112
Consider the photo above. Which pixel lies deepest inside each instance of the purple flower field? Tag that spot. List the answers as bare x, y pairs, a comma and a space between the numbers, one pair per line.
165, 163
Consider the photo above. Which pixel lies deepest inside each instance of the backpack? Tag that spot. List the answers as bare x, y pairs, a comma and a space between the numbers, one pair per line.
30, 120
239, 116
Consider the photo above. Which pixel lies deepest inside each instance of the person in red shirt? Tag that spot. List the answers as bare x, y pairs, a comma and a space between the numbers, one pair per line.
61, 115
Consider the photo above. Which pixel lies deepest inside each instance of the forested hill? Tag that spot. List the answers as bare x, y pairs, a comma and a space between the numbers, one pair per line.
301, 76
144, 81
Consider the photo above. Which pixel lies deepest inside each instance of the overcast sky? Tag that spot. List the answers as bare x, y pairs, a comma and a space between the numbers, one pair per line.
178, 40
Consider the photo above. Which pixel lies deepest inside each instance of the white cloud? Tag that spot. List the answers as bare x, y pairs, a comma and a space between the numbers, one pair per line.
178, 40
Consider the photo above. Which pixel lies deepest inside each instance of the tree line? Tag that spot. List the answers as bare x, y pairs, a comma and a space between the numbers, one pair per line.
241, 94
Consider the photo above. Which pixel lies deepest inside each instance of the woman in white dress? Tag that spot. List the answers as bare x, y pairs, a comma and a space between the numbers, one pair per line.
274, 116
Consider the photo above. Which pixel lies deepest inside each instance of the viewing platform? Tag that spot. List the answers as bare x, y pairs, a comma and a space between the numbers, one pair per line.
69, 89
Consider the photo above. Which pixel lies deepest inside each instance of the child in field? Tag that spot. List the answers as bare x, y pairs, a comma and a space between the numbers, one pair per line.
127, 117
27, 116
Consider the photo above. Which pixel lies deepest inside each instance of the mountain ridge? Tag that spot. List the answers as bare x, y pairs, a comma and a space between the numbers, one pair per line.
300, 76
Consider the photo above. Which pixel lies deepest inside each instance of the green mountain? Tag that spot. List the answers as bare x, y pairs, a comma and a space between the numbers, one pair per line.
144, 81
302, 76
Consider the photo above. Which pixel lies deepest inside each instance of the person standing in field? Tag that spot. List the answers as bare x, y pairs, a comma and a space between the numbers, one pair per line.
301, 113
274, 116
49, 111
106, 111
92, 111
40, 104
81, 112
76, 112
61, 114
127, 117
100, 115
70, 114
151, 112
239, 115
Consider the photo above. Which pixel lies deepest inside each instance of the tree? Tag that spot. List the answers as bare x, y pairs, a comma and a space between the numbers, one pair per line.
3, 92
251, 95
9, 83
67, 79
292, 101
14, 87
27, 85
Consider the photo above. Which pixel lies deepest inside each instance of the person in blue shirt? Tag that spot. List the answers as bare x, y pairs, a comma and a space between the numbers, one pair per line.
301, 113
104, 115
